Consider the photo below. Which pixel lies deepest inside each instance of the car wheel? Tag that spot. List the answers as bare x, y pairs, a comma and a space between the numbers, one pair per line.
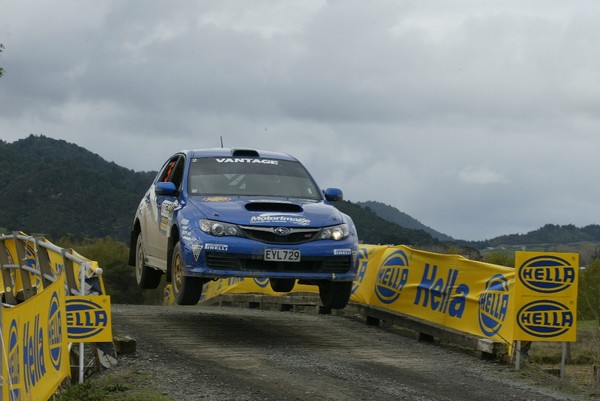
335, 294
282, 284
146, 277
186, 290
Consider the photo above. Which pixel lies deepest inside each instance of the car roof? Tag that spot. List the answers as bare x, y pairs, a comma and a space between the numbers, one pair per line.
239, 153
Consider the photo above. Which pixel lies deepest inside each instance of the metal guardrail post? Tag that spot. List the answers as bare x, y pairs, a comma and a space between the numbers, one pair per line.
70, 274
8, 280
44, 265
25, 276
82, 345
563, 360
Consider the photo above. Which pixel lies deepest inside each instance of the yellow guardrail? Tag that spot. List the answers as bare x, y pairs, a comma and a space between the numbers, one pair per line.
52, 297
535, 301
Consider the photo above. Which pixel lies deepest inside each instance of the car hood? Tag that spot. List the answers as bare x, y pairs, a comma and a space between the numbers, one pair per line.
269, 212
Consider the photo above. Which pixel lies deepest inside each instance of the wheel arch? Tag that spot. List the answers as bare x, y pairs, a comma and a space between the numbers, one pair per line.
135, 232
173, 240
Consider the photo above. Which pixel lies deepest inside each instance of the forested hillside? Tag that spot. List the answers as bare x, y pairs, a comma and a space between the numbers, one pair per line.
550, 234
78, 199
373, 229
57, 188
394, 215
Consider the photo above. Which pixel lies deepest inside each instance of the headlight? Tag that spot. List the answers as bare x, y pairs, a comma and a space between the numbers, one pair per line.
219, 229
335, 233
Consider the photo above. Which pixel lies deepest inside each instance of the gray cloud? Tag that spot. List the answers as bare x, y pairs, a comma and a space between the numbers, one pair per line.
479, 120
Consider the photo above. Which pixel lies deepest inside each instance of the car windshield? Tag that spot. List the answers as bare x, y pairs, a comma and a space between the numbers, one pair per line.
250, 177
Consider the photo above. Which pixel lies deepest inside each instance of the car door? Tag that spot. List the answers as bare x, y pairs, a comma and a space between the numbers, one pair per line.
160, 210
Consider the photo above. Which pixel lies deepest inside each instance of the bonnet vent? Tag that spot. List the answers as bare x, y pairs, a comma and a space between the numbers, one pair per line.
273, 207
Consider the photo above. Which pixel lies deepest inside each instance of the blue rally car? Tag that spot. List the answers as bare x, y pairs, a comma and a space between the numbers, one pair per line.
219, 213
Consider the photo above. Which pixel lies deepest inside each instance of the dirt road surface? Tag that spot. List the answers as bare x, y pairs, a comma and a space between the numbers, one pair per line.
214, 353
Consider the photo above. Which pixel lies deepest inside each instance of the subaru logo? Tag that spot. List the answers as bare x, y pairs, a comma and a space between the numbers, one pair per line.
281, 231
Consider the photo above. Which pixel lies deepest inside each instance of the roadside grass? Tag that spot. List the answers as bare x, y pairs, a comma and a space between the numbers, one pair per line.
129, 385
582, 367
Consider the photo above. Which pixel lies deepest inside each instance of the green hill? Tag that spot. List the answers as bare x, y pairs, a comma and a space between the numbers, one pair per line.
56, 188
550, 234
373, 229
394, 215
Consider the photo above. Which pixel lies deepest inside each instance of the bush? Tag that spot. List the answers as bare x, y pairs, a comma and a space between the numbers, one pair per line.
500, 258
588, 301
119, 278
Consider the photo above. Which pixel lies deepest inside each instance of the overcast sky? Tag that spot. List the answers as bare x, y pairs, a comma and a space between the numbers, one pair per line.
476, 118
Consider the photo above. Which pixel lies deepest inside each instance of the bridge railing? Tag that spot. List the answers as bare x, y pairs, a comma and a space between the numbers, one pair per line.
488, 305
46, 307
30, 264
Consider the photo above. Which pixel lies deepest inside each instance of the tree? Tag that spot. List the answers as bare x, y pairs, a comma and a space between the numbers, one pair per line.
119, 278
588, 302
502, 258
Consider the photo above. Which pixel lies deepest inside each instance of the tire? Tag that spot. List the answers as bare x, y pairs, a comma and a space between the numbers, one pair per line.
186, 290
335, 294
147, 278
282, 284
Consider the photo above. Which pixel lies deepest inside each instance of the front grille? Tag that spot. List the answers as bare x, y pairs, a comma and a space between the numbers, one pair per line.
223, 261
267, 235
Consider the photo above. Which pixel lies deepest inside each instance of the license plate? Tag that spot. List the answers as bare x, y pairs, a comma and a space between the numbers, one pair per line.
282, 255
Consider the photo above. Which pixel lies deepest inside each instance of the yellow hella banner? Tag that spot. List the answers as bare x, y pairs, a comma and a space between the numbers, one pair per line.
237, 285
536, 301
369, 256
89, 319
546, 296
36, 358
448, 290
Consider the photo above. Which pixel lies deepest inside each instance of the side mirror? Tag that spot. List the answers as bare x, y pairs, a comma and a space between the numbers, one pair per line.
165, 188
334, 194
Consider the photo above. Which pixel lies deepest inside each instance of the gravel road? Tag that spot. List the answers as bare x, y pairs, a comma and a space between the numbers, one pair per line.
214, 353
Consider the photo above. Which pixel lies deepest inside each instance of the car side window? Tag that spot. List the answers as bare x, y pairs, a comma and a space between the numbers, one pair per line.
173, 171
177, 173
